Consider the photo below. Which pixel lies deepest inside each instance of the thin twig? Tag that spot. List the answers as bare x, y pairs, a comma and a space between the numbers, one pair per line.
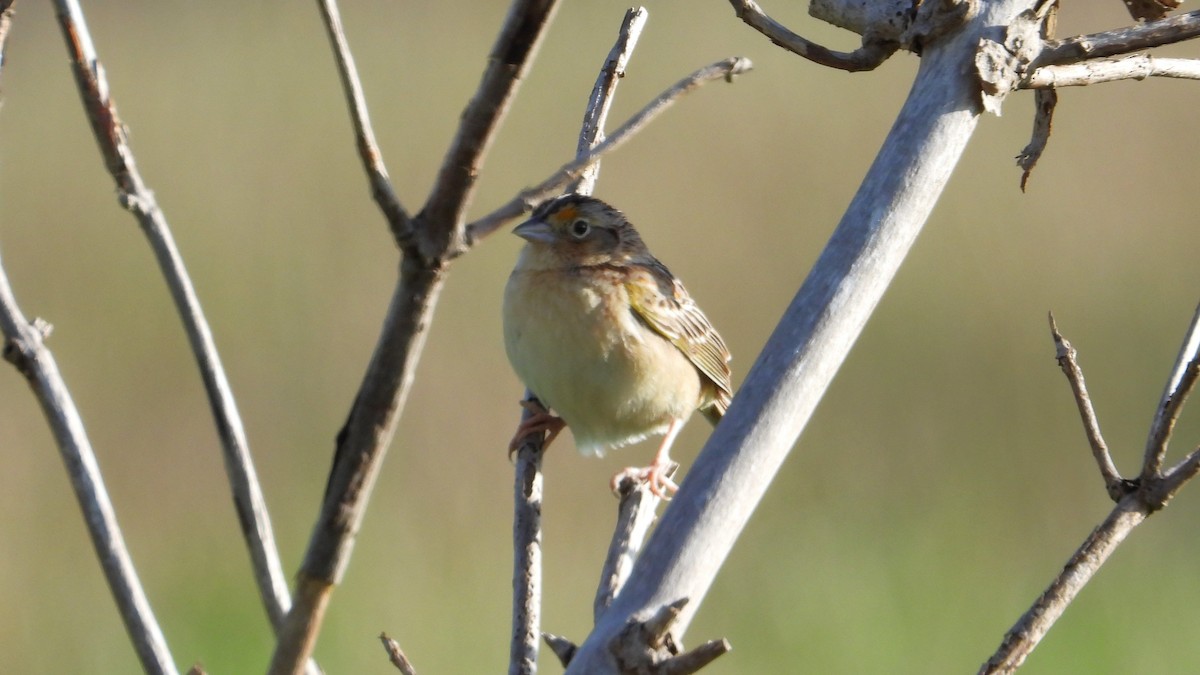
363, 441
507, 63
1138, 67
396, 655
527, 499
527, 553
635, 515
1044, 101
1065, 354
604, 93
24, 348
1155, 491
364, 135
1166, 31
1029, 630
1180, 383
868, 57
136, 197
570, 171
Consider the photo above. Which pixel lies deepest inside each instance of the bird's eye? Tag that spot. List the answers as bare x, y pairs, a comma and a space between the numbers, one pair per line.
580, 228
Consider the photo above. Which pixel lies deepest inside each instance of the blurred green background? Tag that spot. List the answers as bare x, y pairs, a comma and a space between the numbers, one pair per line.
941, 484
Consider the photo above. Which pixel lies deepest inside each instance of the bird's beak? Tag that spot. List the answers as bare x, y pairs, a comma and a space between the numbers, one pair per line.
535, 231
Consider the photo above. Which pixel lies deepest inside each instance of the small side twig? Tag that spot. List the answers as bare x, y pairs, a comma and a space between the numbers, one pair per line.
364, 134
528, 198
1116, 486
396, 655
1044, 102
868, 57
1179, 384
1137, 67
1164, 31
24, 348
635, 515
133, 194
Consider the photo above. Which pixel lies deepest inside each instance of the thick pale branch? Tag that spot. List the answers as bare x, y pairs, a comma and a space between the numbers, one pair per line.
570, 171
1137, 67
364, 134
868, 57
813, 338
137, 198
24, 348
1165, 31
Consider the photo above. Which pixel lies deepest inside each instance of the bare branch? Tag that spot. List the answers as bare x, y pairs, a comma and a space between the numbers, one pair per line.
1179, 384
868, 57
570, 171
396, 655
133, 194
364, 135
527, 553
1044, 101
782, 388
635, 515
1116, 486
362, 443
25, 349
604, 93
1120, 41
1079, 570
1138, 67
518, 41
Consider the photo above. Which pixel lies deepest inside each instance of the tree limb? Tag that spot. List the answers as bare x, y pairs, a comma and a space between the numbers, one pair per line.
1138, 67
1165, 31
528, 198
436, 232
868, 57
133, 194
24, 347
816, 332
364, 136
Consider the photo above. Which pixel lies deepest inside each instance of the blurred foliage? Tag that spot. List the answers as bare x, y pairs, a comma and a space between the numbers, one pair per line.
942, 483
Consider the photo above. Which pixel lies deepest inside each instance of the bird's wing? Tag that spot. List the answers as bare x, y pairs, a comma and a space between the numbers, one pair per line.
661, 301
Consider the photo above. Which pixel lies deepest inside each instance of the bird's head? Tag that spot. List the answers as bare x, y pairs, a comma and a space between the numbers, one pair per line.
579, 231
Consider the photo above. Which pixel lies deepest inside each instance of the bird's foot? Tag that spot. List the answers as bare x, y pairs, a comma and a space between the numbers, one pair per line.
539, 421
657, 476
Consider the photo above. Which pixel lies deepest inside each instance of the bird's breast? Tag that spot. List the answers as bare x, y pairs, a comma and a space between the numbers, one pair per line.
574, 341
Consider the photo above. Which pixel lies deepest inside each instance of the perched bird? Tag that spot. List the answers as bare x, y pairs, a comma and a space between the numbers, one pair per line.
603, 334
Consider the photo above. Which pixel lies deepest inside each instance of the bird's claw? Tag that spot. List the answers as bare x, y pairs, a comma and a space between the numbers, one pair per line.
540, 420
657, 476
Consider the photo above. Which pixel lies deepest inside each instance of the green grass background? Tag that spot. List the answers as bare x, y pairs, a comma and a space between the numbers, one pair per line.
942, 483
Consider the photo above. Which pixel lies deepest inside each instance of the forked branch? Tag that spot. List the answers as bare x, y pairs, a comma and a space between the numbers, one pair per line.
1136, 499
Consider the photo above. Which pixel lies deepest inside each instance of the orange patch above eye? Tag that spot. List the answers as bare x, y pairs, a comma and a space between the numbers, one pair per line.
566, 213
